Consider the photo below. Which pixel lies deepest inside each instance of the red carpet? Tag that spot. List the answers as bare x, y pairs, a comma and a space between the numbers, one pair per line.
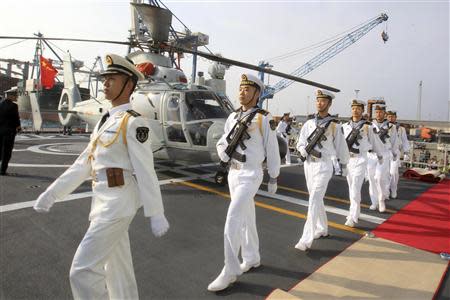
424, 223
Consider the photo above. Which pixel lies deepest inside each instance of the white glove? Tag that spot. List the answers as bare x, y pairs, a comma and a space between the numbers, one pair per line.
272, 186
380, 160
406, 157
303, 152
159, 225
44, 202
337, 170
344, 170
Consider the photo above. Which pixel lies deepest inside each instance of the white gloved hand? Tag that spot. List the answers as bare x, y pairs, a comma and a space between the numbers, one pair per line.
303, 152
380, 160
159, 225
344, 170
44, 202
406, 157
337, 170
272, 186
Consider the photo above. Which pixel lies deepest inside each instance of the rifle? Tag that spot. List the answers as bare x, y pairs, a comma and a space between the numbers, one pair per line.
383, 134
353, 138
235, 138
316, 138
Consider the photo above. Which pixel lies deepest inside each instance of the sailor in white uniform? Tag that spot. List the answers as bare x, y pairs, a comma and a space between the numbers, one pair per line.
318, 165
283, 129
360, 139
403, 146
244, 178
119, 146
378, 167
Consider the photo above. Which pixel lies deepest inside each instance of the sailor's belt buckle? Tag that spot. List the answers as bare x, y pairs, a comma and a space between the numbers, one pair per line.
314, 159
235, 166
354, 154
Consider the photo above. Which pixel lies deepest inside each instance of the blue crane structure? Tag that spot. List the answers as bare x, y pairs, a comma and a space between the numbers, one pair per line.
322, 57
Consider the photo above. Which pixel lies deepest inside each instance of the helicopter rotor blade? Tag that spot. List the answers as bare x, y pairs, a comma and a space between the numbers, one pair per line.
63, 39
256, 68
199, 53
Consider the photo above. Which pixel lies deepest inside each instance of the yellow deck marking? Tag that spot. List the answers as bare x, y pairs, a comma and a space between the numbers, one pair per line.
273, 208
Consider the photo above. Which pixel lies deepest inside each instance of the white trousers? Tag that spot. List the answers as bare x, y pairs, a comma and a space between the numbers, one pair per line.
379, 178
382, 174
317, 175
288, 152
355, 178
102, 267
394, 175
240, 226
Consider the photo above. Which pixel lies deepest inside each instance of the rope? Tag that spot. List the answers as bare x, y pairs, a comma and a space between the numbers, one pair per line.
15, 43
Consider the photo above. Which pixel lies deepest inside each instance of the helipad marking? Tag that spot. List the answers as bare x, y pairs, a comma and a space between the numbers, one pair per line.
33, 137
20, 205
36, 149
37, 166
331, 209
328, 197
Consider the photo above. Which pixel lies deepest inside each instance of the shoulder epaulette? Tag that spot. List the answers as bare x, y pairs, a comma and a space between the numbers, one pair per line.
311, 116
263, 112
133, 113
335, 118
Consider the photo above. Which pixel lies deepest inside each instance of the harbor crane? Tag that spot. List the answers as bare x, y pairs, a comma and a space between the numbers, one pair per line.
324, 56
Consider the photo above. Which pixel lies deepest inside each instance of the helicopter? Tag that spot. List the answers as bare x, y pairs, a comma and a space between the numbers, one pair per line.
186, 119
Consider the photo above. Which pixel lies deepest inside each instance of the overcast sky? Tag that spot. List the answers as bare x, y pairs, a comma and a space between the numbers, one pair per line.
250, 31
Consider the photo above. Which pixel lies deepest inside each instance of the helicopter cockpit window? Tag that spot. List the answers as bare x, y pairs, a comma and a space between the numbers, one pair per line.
174, 130
202, 105
173, 109
226, 102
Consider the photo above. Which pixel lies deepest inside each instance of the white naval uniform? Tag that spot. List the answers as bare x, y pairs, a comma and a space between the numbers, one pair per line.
281, 130
403, 145
357, 164
244, 179
318, 172
379, 178
102, 267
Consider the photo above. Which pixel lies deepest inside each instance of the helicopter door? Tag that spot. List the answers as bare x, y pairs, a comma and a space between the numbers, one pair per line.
173, 127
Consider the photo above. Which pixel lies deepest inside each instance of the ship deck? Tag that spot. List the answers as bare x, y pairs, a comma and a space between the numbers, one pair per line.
37, 249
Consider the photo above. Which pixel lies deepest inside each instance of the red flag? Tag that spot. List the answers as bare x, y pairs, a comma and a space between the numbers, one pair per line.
48, 73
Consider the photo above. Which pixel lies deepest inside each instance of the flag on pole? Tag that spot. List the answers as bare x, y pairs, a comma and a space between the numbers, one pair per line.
48, 73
